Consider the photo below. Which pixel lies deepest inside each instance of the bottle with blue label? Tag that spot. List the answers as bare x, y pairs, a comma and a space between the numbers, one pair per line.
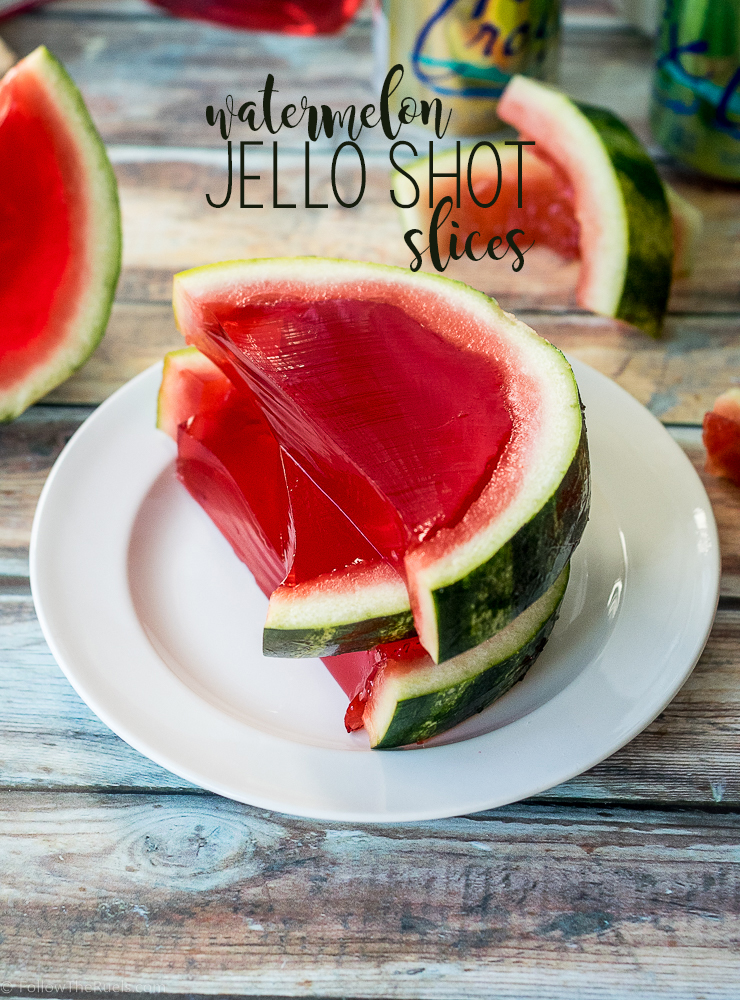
464, 51
695, 113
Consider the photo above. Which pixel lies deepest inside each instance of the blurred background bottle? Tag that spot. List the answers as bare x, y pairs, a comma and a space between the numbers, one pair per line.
464, 51
695, 112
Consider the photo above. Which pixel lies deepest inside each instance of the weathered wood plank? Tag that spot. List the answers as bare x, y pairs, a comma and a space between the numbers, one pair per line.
28, 449
168, 226
201, 894
49, 739
677, 377
147, 78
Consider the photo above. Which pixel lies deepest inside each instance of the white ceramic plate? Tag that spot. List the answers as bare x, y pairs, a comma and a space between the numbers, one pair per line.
158, 627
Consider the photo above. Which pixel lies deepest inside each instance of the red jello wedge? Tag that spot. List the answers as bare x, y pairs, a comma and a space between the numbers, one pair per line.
231, 464
319, 558
445, 431
229, 461
400, 428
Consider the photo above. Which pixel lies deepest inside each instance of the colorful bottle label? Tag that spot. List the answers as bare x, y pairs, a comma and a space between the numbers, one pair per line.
695, 112
465, 51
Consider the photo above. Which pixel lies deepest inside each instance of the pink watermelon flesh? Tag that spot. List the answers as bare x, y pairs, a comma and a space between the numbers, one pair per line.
402, 455
38, 163
547, 216
721, 436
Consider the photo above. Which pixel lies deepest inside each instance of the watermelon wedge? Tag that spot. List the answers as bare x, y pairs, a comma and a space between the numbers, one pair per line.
445, 431
547, 216
626, 242
407, 698
60, 232
396, 692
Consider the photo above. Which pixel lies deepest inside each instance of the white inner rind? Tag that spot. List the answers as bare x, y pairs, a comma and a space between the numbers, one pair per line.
565, 134
342, 598
539, 387
430, 678
100, 238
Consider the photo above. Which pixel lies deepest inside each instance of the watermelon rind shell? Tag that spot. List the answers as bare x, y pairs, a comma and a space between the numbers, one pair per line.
463, 583
422, 702
85, 326
626, 233
357, 608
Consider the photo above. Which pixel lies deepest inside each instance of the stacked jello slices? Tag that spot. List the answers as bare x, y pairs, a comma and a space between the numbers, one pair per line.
402, 466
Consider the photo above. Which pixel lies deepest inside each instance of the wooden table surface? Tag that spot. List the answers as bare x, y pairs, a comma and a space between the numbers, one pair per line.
115, 874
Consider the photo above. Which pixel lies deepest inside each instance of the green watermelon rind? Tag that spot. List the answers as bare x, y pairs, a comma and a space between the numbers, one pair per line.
451, 555
425, 702
85, 328
333, 639
496, 592
649, 266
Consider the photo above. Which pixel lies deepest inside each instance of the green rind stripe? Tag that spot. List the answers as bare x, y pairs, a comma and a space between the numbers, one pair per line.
647, 279
424, 716
472, 609
331, 640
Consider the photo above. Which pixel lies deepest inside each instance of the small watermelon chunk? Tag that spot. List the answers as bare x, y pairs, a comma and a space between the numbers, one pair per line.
60, 232
721, 436
446, 431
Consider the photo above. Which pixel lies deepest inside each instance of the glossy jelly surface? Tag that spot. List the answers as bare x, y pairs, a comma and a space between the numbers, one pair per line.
276, 520
401, 429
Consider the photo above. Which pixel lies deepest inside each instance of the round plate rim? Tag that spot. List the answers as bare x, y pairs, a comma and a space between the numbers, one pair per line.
447, 754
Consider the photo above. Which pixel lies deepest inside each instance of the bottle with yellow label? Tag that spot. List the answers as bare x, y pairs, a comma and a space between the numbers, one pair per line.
464, 51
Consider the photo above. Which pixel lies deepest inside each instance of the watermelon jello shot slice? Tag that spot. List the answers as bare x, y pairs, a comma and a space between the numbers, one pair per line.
230, 463
721, 436
447, 432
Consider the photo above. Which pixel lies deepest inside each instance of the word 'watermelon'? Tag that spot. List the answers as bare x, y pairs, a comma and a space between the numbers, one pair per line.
60, 231
446, 432
230, 463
